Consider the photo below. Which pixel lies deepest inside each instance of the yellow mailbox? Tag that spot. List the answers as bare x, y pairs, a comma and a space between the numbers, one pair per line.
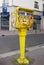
24, 20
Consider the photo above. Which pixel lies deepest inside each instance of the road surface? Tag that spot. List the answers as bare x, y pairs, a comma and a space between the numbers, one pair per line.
11, 42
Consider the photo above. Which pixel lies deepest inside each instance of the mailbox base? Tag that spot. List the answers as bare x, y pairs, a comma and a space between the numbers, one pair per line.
23, 61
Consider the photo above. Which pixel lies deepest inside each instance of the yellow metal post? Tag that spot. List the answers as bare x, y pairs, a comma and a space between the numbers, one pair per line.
22, 38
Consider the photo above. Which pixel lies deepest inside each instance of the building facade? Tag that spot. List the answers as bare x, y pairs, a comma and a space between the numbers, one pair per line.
37, 5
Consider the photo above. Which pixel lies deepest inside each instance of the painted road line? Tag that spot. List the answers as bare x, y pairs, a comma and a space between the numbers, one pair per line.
17, 51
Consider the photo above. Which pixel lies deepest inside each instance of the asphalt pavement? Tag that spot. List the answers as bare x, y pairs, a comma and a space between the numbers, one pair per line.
36, 55
11, 42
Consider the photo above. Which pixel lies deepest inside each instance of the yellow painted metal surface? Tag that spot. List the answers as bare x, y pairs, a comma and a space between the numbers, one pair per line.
22, 38
24, 20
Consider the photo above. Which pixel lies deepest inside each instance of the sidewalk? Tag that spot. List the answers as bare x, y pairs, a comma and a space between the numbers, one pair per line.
16, 32
37, 56
8, 32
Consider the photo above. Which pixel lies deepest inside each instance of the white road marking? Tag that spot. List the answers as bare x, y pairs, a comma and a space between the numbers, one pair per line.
17, 51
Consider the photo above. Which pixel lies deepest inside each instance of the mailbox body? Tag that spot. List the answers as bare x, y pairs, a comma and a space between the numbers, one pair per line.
23, 18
